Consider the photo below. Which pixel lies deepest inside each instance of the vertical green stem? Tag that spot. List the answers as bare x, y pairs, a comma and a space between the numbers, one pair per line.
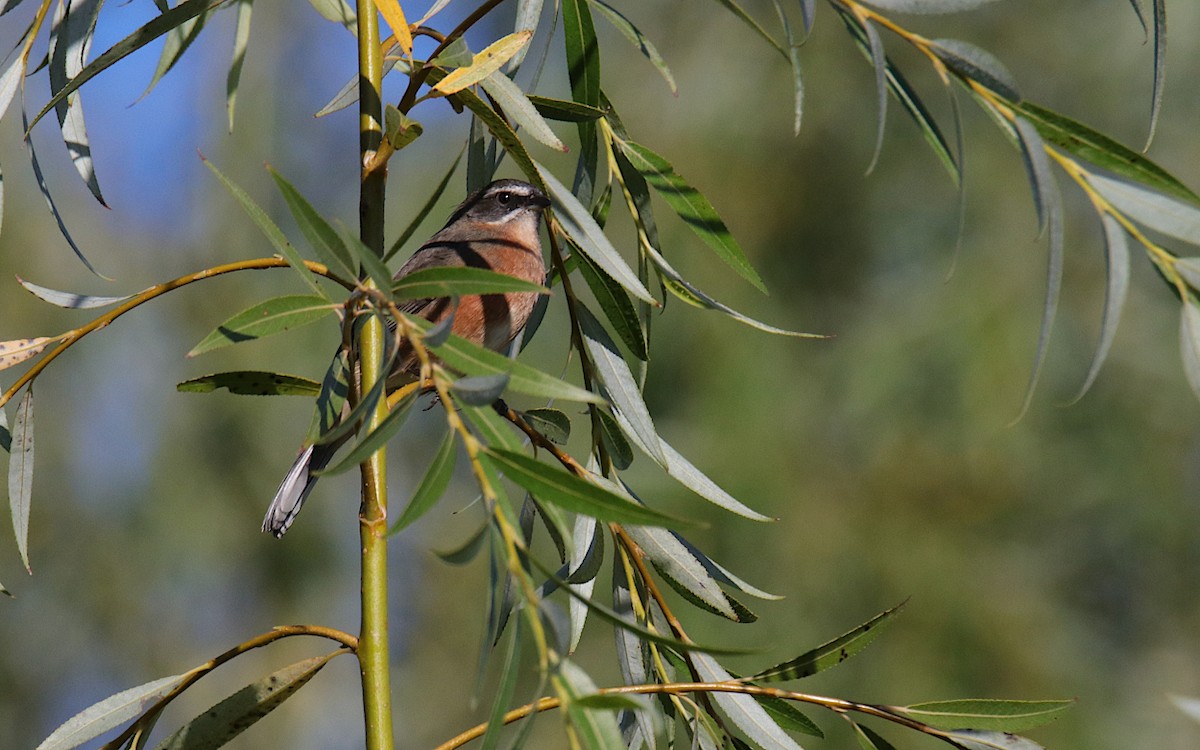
373, 640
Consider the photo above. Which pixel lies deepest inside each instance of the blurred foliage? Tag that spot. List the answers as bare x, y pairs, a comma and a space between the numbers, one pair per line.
1058, 556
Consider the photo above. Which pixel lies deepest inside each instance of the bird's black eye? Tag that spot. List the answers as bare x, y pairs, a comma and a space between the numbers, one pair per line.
504, 198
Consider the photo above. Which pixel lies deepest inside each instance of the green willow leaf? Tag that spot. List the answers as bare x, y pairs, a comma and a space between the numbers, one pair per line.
692, 207
928, 6
1097, 148
579, 224
20, 473
240, 711
520, 110
433, 485
15, 352
241, 42
620, 452
480, 390
70, 300
786, 715
321, 236
637, 39
331, 400
451, 281
471, 359
682, 570
979, 65
156, 27
108, 714
178, 41
1160, 65
743, 710
70, 44
502, 132
369, 262
989, 715
563, 110
829, 654
265, 319
252, 383
554, 425
595, 727
615, 303
493, 429
376, 439
271, 230
583, 71
551, 485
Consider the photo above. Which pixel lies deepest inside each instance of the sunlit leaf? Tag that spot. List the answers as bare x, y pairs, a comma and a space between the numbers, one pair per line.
587, 554
10, 81
19, 350
394, 15
745, 712
577, 221
433, 485
270, 229
71, 39
335, 387
927, 6
241, 42
1190, 706
178, 41
975, 739
525, 19
675, 562
323, 238
637, 38
992, 715
786, 715
252, 383
583, 71
615, 303
337, 11
71, 300
449, 281
240, 711
150, 31
594, 727
493, 429
979, 65
829, 654
265, 319
520, 110
503, 133
692, 207
1189, 345
1116, 247
20, 473
484, 63
108, 714
551, 485
399, 129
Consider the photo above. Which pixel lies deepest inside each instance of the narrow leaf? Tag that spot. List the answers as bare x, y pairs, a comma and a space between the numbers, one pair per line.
993, 715
977, 64
1116, 247
20, 473
972, 739
583, 71
829, 654
793, 52
1189, 346
520, 110
551, 485
879, 61
745, 712
71, 300
1153, 209
269, 228
675, 562
152, 30
618, 309
238, 712
70, 44
869, 740
433, 485
619, 383
241, 42
484, 64
450, 281
1160, 65
808, 10
786, 715
928, 6
321, 236
480, 390
1103, 151
1049, 205
108, 714
554, 425
336, 11
637, 39
561, 109
19, 350
578, 223
525, 19
692, 207
593, 727
252, 383
377, 438
10, 81
394, 15
503, 133
265, 319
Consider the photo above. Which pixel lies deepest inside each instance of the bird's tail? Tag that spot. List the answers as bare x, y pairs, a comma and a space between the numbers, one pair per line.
294, 488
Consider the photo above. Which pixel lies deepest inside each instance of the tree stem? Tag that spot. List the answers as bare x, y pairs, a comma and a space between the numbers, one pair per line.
373, 659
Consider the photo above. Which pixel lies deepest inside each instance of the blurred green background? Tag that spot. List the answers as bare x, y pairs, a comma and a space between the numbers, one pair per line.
1058, 557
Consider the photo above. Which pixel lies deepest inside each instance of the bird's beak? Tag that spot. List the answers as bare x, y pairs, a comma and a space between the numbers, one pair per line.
540, 201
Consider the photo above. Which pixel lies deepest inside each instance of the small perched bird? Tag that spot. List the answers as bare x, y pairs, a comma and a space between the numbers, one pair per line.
496, 228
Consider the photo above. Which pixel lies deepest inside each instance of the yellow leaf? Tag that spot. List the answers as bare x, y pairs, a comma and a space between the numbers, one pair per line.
485, 63
394, 15
16, 352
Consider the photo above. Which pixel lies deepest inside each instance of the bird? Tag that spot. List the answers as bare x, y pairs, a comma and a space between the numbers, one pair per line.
496, 228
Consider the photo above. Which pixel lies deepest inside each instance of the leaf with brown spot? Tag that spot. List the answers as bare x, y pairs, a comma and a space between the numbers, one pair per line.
18, 350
